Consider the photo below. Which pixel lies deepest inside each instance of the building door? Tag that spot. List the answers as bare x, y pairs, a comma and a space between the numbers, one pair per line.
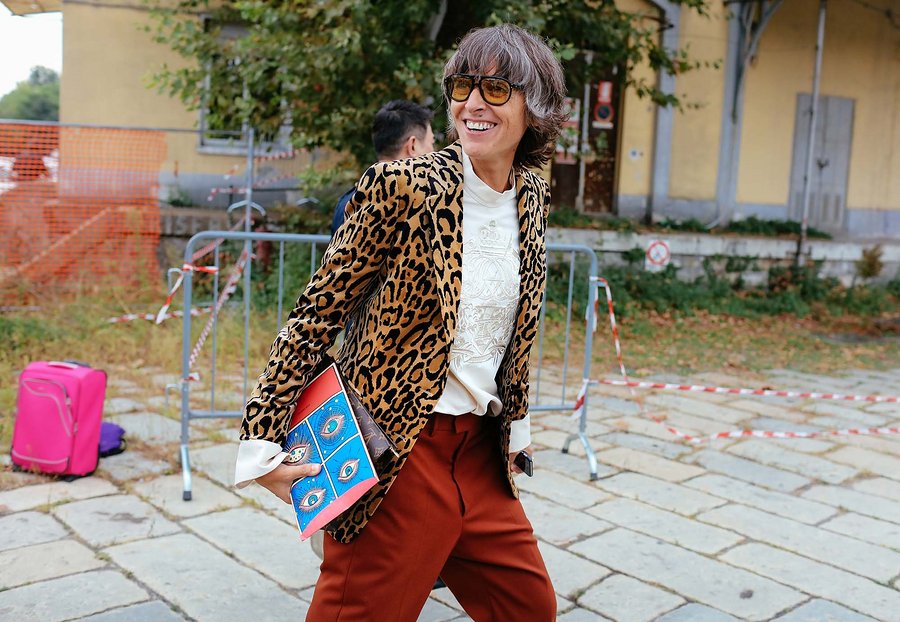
831, 162
604, 111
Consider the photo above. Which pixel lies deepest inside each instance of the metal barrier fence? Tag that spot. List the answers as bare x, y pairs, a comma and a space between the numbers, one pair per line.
262, 300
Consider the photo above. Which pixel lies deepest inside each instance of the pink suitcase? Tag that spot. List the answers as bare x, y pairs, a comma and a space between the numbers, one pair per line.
58, 416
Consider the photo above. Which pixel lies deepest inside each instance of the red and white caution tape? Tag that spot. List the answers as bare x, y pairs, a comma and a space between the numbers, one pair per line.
597, 282
185, 268
580, 399
229, 288
776, 434
760, 392
206, 250
152, 317
280, 155
243, 189
213, 192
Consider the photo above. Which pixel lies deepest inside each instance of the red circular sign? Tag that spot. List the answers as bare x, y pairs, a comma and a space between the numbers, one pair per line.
658, 253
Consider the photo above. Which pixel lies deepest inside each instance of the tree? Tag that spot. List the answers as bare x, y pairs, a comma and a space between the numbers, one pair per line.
36, 99
325, 67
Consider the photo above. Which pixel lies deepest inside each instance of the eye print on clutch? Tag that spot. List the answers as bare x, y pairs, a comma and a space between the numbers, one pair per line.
323, 430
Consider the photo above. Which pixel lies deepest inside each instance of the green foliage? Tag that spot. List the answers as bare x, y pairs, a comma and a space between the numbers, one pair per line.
16, 333
326, 67
570, 218
179, 197
798, 291
35, 99
870, 264
691, 224
757, 226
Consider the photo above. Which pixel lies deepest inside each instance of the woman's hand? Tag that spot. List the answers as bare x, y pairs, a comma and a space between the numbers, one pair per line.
512, 456
278, 481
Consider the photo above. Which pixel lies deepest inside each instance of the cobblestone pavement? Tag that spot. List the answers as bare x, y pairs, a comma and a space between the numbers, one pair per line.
804, 530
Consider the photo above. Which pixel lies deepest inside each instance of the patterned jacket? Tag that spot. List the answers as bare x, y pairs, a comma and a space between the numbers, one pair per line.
395, 268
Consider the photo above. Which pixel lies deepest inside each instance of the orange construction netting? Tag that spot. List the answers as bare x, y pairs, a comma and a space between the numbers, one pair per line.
78, 205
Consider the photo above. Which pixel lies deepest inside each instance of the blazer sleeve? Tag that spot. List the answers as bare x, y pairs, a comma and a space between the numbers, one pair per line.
350, 263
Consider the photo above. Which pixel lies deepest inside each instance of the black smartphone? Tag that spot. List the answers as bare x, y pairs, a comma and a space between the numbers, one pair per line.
525, 462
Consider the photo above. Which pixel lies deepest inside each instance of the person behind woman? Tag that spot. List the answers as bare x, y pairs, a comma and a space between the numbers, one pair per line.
440, 266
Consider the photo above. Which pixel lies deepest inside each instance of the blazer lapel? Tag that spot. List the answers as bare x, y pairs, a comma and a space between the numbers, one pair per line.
447, 239
531, 250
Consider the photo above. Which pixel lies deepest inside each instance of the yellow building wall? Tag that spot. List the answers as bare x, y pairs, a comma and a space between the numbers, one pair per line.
861, 61
638, 119
108, 63
697, 127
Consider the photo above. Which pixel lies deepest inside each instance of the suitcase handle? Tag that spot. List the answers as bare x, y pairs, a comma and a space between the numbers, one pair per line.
65, 364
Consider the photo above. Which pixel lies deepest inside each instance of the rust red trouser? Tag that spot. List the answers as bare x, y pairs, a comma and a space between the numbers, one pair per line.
448, 513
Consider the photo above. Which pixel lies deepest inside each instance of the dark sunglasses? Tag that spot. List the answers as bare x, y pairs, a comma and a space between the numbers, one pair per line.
494, 90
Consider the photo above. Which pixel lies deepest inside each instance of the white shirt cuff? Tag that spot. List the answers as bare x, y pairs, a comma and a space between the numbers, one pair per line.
520, 434
255, 458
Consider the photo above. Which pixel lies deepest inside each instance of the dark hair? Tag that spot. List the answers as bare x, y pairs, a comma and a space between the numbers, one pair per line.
522, 58
395, 122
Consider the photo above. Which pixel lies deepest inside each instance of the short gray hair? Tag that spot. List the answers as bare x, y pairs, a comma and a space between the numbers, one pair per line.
522, 58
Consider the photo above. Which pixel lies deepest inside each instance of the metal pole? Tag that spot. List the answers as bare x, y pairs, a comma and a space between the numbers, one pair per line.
248, 246
585, 105
811, 136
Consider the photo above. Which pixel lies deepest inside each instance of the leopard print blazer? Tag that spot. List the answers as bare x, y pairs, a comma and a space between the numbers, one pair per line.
395, 268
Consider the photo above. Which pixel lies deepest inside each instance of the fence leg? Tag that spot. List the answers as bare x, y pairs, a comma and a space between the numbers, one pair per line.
591, 456
185, 472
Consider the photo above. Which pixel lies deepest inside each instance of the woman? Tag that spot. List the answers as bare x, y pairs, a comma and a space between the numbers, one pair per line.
443, 319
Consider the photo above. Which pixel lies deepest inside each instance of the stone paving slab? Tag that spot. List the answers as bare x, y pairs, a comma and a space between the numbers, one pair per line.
149, 427
166, 494
217, 462
822, 611
766, 409
30, 497
665, 495
886, 444
859, 502
819, 579
559, 525
778, 503
120, 405
694, 612
562, 489
848, 413
740, 593
153, 611
718, 414
45, 561
27, 528
69, 597
110, 520
863, 558
646, 444
274, 548
880, 486
646, 427
649, 464
568, 464
628, 600
204, 582
866, 460
748, 471
132, 464
667, 526
803, 464
256, 495
581, 615
570, 573
871, 530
